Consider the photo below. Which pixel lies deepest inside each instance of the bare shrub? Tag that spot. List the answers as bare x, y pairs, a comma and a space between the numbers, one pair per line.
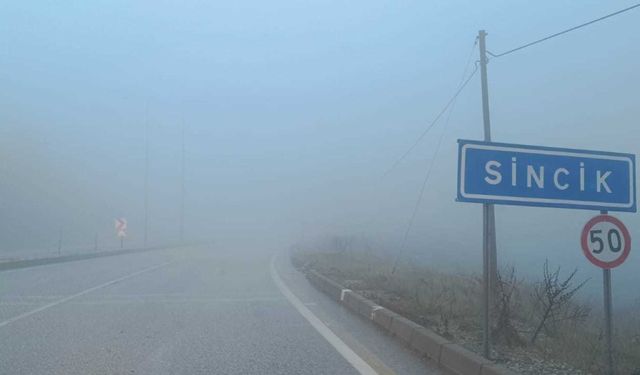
553, 299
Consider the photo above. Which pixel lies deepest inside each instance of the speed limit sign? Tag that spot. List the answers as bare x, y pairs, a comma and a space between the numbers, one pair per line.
605, 241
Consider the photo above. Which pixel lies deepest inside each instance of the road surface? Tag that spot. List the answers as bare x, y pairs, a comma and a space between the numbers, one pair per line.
204, 310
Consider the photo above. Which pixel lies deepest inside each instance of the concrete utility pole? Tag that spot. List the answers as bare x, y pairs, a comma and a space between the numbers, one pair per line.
146, 180
182, 165
489, 254
60, 241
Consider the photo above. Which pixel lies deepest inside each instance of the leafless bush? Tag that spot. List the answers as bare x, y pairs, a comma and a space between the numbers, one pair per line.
553, 298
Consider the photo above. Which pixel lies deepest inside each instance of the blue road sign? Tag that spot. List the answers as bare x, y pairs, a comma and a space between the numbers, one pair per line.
513, 174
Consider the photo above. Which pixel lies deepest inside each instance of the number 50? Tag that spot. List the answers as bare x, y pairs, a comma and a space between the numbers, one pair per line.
594, 237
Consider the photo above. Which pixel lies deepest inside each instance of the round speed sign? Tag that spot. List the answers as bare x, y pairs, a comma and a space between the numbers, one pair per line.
605, 241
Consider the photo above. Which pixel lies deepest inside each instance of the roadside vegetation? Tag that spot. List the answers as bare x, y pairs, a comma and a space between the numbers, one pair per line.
539, 326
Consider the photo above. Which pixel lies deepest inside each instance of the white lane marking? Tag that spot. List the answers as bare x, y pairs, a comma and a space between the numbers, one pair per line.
66, 299
30, 297
354, 359
117, 300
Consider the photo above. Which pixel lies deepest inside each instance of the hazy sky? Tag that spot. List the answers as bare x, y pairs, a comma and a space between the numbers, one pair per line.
293, 111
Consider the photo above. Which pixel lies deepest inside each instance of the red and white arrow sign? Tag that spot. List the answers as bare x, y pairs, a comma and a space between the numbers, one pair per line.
121, 227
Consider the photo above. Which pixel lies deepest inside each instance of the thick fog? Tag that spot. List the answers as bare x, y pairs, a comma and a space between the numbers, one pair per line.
292, 113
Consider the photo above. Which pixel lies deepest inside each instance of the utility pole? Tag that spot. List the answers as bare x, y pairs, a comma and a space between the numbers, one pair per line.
489, 254
60, 241
146, 179
182, 168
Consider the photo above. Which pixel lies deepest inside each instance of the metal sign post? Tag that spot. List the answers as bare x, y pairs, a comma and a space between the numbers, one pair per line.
608, 320
606, 243
121, 230
608, 323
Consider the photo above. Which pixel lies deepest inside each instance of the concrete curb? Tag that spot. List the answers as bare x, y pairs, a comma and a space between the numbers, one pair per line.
15, 264
428, 343
327, 285
446, 354
461, 361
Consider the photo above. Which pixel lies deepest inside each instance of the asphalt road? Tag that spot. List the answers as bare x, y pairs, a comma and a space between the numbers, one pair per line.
185, 311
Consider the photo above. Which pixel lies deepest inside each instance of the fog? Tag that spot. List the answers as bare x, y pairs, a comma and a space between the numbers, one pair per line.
292, 113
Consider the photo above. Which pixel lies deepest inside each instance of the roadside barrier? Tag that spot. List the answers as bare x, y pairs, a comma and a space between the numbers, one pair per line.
448, 355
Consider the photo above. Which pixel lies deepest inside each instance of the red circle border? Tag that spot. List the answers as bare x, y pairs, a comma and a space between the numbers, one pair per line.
585, 245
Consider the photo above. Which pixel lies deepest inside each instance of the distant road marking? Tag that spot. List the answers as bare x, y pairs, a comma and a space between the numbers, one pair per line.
354, 359
66, 299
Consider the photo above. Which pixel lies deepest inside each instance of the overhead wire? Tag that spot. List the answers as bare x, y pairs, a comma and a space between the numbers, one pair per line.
444, 109
421, 194
416, 207
564, 31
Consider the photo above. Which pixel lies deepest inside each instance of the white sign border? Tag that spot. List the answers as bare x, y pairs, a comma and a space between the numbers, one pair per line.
586, 154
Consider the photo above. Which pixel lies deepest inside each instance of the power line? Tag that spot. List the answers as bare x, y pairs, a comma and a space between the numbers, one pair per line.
432, 124
565, 31
444, 109
466, 65
451, 104
422, 189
